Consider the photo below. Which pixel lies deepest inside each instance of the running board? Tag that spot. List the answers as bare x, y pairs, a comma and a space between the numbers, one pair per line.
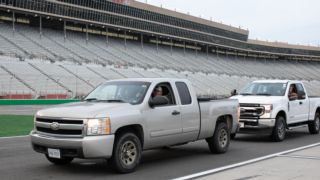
296, 127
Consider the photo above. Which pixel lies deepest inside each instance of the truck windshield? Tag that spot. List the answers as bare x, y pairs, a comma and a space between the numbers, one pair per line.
264, 89
119, 92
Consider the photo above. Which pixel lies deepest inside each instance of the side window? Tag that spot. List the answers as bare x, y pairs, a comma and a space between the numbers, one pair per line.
184, 93
301, 92
164, 89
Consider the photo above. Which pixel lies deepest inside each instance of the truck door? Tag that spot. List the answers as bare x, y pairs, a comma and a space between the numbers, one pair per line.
303, 104
164, 122
293, 104
190, 113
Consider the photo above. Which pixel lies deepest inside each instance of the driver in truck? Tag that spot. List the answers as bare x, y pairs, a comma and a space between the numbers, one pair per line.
157, 91
293, 92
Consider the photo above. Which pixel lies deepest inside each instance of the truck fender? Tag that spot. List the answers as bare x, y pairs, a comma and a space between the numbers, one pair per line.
137, 129
226, 119
283, 114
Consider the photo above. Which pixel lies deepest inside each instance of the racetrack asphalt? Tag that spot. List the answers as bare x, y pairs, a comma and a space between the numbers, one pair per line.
19, 161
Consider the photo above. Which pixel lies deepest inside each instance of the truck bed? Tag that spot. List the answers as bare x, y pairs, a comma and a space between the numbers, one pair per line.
211, 110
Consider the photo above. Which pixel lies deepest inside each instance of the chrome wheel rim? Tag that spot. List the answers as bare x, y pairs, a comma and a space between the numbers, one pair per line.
223, 138
128, 153
281, 130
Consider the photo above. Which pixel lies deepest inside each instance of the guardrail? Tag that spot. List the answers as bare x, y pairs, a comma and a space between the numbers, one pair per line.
9, 102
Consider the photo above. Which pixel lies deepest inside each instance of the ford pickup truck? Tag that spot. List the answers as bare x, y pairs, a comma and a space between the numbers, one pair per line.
121, 118
275, 106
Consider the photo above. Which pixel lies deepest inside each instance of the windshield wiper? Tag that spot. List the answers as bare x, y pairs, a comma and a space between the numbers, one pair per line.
115, 100
263, 94
91, 99
246, 94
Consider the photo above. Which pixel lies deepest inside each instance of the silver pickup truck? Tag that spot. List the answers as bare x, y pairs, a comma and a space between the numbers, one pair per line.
121, 118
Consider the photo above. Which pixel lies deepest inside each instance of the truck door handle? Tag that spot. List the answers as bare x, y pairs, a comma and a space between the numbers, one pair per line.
300, 102
175, 113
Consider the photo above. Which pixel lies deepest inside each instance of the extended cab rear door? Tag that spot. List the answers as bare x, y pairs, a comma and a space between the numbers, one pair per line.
190, 113
303, 101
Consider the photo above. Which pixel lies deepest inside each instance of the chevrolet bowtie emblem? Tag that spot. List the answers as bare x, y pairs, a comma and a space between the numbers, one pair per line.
55, 126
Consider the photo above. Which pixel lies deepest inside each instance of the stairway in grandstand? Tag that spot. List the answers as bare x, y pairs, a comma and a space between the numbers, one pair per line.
72, 65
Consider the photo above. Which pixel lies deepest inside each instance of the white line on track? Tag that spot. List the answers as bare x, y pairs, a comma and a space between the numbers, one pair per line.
200, 174
12, 137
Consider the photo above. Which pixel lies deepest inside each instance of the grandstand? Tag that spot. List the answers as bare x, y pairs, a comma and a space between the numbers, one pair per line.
64, 48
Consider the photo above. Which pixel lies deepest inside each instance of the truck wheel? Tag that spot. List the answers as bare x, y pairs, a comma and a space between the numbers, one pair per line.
126, 153
314, 125
279, 130
62, 161
220, 140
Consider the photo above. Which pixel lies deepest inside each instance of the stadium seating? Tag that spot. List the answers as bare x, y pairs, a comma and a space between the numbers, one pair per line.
51, 65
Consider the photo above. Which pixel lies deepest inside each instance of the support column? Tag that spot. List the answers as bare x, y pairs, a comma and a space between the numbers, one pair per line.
107, 37
217, 52
207, 50
87, 34
184, 48
125, 39
171, 45
196, 45
13, 23
157, 44
65, 30
141, 39
40, 26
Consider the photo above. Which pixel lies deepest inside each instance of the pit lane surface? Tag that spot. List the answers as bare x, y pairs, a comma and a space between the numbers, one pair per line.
18, 161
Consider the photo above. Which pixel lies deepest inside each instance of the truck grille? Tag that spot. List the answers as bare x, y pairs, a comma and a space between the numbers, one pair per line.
59, 127
251, 111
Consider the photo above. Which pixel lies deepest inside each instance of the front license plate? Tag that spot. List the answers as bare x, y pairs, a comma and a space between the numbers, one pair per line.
54, 153
241, 125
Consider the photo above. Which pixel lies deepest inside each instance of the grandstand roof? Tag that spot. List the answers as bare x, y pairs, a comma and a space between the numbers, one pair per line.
188, 17
283, 45
151, 21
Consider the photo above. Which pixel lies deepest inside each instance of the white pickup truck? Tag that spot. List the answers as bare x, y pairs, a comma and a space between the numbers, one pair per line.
121, 118
275, 106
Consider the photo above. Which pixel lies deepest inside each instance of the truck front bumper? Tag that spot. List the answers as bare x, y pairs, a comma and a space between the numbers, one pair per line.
87, 147
255, 126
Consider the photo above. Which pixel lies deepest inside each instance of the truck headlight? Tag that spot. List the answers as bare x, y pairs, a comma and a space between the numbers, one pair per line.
98, 126
267, 110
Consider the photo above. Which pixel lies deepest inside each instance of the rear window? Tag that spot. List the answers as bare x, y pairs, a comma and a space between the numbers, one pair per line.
183, 93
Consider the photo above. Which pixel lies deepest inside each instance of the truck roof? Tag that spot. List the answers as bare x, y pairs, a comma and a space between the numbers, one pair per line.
272, 81
150, 79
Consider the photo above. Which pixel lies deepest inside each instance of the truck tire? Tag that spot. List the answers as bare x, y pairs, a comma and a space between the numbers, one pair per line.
126, 153
62, 161
279, 130
314, 125
220, 140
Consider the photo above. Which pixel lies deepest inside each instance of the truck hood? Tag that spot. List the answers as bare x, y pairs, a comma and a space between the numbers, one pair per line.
84, 110
258, 99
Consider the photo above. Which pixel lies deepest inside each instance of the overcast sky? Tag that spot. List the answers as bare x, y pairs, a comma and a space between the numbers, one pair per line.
293, 21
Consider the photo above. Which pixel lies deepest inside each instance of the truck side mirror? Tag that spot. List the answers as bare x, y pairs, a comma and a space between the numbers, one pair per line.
234, 92
158, 101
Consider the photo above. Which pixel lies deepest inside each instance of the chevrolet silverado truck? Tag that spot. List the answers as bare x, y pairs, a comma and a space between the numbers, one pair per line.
275, 106
121, 118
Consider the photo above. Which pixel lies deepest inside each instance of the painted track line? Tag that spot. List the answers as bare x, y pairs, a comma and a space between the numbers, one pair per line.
12, 137
204, 173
